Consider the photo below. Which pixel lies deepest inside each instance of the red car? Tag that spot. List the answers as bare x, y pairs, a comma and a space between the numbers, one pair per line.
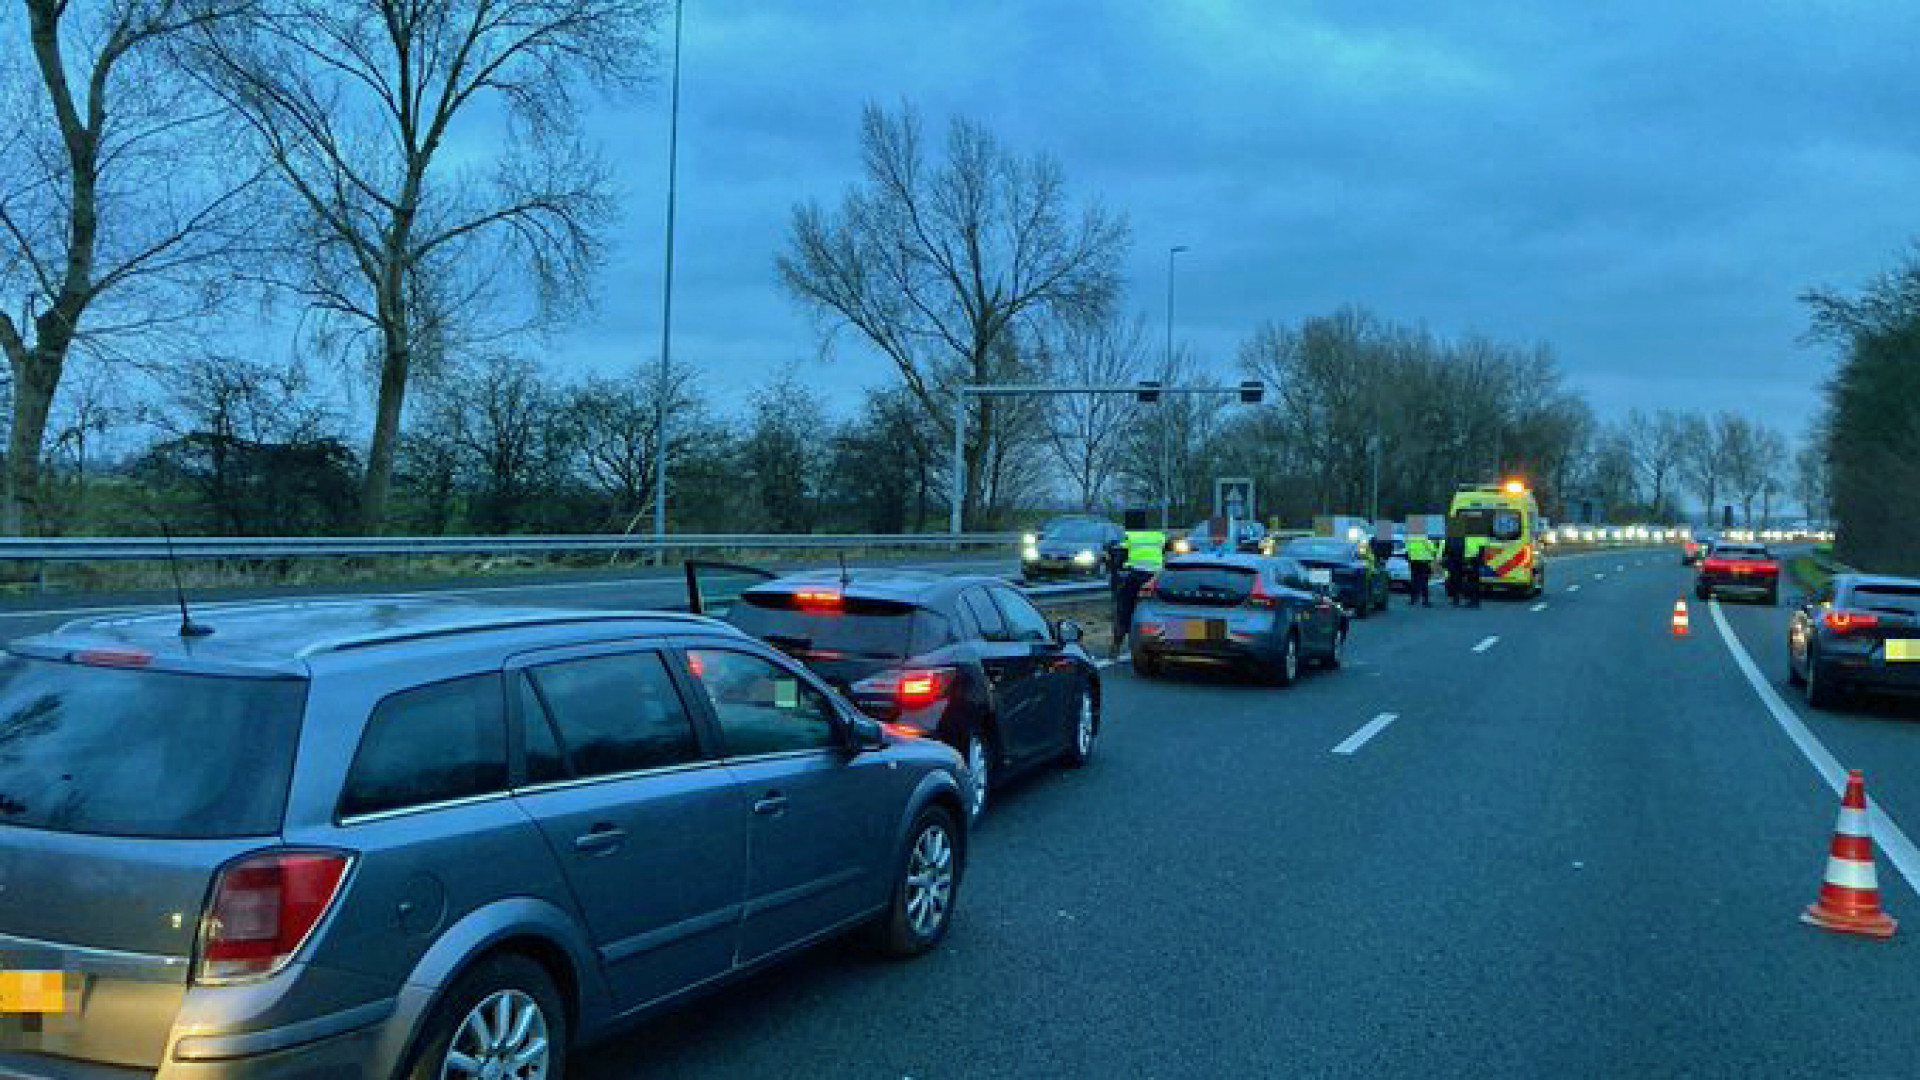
1747, 570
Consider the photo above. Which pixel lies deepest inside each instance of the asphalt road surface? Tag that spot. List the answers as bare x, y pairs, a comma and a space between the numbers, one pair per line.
1578, 848
1578, 851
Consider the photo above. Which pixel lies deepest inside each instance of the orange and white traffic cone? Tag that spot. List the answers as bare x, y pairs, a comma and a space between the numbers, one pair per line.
1680, 618
1850, 896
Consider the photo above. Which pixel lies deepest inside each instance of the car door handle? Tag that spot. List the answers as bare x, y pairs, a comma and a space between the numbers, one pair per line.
601, 839
771, 803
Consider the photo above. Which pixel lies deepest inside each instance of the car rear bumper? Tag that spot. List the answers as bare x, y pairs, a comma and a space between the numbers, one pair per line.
1869, 673
1260, 649
1740, 586
349, 1043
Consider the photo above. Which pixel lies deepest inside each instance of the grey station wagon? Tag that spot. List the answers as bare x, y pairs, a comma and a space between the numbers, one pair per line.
406, 838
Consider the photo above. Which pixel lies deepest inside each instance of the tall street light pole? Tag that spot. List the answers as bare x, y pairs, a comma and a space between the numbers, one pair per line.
1166, 420
666, 298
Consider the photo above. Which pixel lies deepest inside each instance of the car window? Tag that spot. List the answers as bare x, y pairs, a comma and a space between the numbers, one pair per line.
987, 620
1024, 621
545, 761
144, 753
1890, 598
616, 714
430, 745
762, 707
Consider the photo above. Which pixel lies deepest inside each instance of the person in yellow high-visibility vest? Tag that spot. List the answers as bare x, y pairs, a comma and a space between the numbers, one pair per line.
1420, 556
1144, 555
1475, 567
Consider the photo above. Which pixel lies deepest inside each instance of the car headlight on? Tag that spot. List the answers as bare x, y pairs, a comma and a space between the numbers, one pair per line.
1181, 547
1029, 539
1030, 553
1083, 558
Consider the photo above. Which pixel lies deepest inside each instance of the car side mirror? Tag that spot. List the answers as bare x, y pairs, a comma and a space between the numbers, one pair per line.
1068, 632
865, 734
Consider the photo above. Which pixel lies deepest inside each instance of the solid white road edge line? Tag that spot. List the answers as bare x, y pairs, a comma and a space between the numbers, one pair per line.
1486, 643
1886, 833
1367, 731
1110, 661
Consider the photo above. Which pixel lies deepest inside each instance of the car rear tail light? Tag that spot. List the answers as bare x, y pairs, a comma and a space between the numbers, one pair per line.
914, 688
263, 909
1843, 622
817, 598
112, 657
1260, 597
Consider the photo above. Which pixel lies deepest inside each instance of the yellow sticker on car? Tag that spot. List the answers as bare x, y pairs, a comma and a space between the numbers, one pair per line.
1903, 649
41, 992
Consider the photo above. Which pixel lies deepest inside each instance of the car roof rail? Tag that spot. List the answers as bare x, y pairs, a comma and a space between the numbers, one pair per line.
349, 642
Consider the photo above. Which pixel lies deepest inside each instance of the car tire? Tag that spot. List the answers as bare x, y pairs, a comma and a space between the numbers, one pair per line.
1286, 668
1337, 655
1794, 678
1144, 664
1823, 691
1773, 597
917, 919
1086, 730
982, 762
510, 977
1701, 592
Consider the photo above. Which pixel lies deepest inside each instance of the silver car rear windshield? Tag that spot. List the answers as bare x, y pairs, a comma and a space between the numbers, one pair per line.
126, 752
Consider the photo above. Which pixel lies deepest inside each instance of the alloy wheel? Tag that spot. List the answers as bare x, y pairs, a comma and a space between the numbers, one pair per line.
1291, 659
1083, 728
504, 1037
929, 885
980, 768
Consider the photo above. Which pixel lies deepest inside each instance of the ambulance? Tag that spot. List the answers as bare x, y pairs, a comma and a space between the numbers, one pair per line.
1509, 518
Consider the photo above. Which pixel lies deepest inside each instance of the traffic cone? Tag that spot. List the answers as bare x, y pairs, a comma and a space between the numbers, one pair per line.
1680, 618
1850, 896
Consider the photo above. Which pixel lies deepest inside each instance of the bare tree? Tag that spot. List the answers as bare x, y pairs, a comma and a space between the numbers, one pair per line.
501, 416
616, 423
1086, 430
402, 245
1706, 462
1659, 447
110, 216
939, 265
1812, 484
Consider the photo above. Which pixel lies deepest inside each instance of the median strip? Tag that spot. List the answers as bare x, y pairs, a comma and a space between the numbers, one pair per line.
1367, 731
1487, 643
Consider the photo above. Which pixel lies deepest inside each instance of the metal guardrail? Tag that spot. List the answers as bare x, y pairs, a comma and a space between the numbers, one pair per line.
101, 548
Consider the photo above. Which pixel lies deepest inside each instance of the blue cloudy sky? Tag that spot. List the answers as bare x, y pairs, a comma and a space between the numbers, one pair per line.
1646, 186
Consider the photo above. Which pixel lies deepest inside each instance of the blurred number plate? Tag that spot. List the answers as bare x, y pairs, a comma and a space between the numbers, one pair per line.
1320, 575
1903, 650
1206, 630
33, 992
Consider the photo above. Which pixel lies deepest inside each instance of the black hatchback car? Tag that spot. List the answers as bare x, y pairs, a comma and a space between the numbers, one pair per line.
1856, 632
1357, 583
967, 660
1261, 615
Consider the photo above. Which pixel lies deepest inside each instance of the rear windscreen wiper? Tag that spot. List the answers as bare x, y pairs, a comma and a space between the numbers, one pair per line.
789, 641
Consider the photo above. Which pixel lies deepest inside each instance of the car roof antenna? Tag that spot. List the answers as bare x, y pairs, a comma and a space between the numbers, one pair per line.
188, 628
845, 578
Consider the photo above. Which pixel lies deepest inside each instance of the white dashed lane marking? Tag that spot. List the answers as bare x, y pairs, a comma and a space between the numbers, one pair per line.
1367, 731
1486, 643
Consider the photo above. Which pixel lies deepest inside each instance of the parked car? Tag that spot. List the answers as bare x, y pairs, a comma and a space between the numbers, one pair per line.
1218, 535
1747, 570
1857, 632
1070, 547
1258, 614
967, 660
398, 838
1358, 584
1695, 548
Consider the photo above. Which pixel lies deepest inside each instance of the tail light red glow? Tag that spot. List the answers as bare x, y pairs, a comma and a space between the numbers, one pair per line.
263, 909
112, 657
914, 688
817, 598
1260, 597
1735, 566
1842, 622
